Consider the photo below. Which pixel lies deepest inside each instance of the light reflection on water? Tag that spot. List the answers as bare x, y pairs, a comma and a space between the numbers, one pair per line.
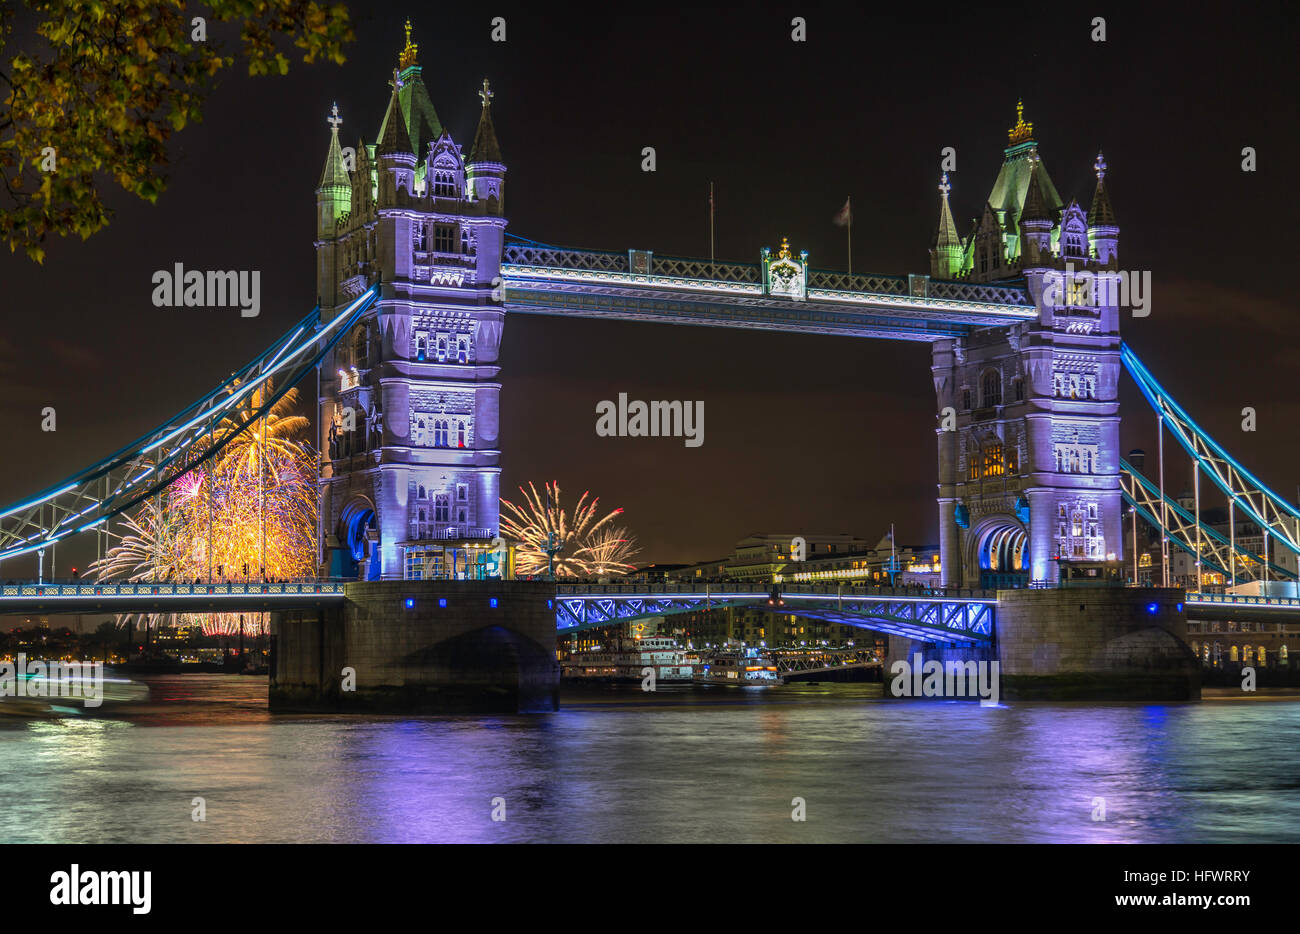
680, 765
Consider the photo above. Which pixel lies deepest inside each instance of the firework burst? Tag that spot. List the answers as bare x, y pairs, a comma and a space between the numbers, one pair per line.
584, 542
253, 506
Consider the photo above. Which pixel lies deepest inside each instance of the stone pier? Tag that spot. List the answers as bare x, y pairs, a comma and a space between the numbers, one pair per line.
1081, 644
420, 647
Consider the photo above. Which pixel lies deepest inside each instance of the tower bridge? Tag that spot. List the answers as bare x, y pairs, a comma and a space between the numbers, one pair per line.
416, 278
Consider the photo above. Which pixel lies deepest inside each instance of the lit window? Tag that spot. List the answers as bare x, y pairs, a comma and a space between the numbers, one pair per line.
993, 463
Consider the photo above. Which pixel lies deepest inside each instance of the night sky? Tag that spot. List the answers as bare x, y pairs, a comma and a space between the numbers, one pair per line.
802, 433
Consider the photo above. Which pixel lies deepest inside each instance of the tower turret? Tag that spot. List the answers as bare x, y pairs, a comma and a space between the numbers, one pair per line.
486, 172
1035, 223
1103, 230
394, 154
333, 202
334, 192
946, 254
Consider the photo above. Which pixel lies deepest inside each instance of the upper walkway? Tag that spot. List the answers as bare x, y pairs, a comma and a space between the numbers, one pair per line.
639, 286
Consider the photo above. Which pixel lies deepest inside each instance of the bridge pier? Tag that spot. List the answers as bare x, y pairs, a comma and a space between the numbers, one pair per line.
1060, 644
420, 647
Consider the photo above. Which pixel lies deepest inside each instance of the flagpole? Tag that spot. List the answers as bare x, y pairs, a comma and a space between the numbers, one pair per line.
712, 264
850, 243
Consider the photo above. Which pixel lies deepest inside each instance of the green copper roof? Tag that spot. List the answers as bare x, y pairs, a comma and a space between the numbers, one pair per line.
422, 125
334, 173
1008, 194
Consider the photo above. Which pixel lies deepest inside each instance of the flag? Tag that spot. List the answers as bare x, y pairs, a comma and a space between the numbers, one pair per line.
845, 215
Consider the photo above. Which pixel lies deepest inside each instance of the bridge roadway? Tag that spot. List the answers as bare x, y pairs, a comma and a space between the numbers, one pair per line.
952, 616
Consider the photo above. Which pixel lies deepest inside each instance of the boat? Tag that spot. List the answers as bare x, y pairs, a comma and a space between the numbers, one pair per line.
625, 661
41, 696
743, 667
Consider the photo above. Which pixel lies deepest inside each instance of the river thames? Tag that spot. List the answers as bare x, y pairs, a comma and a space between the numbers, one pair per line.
686, 765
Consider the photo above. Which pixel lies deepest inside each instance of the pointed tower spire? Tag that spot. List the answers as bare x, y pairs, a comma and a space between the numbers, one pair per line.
422, 123
946, 254
485, 174
334, 193
1036, 220
335, 172
1035, 207
485, 148
395, 138
1103, 229
1102, 213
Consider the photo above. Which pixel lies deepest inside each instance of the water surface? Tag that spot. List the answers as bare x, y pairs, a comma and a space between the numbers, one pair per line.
691, 765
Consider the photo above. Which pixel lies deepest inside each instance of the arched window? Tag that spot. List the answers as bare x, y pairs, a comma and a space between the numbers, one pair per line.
1262, 655
419, 348
1018, 389
422, 494
991, 388
421, 515
360, 347
460, 435
441, 509
1282, 656
1232, 653
419, 432
462, 351
442, 347
440, 434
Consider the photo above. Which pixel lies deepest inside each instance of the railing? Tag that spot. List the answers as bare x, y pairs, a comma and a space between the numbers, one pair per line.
751, 273
718, 588
169, 588
1228, 599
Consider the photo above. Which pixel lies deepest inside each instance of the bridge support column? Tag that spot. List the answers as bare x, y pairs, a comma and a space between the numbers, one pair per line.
420, 647
950, 566
1116, 643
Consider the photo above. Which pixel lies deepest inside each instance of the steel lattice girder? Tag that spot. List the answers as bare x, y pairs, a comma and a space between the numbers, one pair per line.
1144, 496
1268, 509
927, 619
121, 481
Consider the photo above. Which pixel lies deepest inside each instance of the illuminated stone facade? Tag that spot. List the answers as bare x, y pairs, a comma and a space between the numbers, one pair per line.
409, 401
1029, 447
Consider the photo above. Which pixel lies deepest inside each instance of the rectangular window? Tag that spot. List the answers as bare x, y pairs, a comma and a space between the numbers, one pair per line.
462, 492
444, 238
993, 463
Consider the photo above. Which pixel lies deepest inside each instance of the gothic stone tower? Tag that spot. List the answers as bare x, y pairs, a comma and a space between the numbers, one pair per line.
410, 474
1030, 476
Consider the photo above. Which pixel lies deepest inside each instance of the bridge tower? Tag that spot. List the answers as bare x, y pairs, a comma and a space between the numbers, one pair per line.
1030, 475
409, 401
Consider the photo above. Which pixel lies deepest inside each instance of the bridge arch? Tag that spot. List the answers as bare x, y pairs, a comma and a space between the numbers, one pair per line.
357, 532
998, 545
